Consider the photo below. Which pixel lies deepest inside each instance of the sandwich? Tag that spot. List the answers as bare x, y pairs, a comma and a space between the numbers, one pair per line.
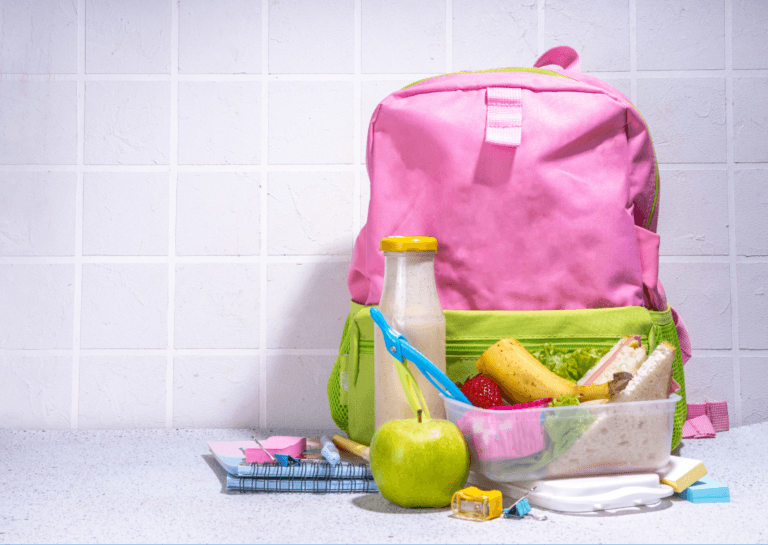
612, 440
626, 355
651, 376
653, 379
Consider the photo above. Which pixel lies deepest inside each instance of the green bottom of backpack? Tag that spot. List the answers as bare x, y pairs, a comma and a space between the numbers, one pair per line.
470, 333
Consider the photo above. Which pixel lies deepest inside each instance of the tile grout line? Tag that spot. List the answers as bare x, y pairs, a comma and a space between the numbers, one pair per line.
693, 166
78, 258
633, 51
390, 76
727, 352
184, 351
339, 167
195, 259
357, 121
541, 42
263, 216
733, 269
448, 36
63, 352
297, 259
722, 258
172, 188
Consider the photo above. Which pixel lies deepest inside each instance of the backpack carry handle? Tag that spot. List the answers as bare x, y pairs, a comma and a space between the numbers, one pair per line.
563, 56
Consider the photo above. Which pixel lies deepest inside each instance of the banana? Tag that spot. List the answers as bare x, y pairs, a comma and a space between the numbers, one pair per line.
524, 378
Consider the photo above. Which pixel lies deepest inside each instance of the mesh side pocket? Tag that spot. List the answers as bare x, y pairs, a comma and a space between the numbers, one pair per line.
339, 411
664, 330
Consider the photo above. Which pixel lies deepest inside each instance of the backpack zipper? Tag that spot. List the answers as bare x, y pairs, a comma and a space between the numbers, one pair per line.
533, 70
475, 347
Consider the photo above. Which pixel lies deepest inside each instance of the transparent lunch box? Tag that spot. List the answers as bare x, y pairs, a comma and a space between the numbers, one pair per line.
571, 441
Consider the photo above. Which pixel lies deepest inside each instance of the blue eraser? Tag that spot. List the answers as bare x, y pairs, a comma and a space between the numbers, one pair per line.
706, 490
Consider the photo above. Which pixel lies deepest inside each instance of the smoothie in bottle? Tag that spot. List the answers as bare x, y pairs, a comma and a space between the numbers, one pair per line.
410, 304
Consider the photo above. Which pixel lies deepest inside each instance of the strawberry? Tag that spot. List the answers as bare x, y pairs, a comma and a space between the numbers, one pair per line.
482, 392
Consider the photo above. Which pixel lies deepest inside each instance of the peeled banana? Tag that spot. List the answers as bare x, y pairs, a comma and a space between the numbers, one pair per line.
524, 378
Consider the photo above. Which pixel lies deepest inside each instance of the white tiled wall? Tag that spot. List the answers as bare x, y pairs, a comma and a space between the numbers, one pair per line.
181, 183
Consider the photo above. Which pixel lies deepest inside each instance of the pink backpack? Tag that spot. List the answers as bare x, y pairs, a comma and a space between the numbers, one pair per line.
541, 187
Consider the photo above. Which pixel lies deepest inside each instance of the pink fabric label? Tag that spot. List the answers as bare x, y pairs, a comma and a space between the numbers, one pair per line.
698, 428
704, 419
504, 119
683, 337
695, 409
717, 412
563, 56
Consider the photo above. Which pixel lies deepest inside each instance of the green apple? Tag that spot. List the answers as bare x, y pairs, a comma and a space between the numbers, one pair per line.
419, 462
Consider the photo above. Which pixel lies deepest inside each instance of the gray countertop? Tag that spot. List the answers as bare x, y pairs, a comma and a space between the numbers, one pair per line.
160, 486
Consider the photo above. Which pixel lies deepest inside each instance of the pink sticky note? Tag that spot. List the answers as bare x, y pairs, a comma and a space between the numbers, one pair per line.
292, 446
230, 449
256, 456
277, 444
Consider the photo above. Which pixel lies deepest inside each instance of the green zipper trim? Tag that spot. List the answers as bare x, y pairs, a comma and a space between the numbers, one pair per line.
534, 70
476, 347
480, 346
552, 73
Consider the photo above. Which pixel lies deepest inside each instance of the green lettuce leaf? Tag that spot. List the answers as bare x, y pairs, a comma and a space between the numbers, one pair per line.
569, 364
564, 401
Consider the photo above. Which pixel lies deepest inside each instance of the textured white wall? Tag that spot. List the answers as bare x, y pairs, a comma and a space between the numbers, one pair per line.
181, 183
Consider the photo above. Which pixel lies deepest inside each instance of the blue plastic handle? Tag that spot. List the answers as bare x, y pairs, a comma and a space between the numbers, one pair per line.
399, 347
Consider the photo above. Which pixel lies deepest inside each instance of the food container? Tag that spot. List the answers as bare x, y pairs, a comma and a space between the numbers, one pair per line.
587, 439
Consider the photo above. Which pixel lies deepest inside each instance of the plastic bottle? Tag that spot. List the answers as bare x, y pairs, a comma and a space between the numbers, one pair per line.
410, 304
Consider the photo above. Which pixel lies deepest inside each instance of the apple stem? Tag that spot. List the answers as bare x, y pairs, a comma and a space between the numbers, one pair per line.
418, 414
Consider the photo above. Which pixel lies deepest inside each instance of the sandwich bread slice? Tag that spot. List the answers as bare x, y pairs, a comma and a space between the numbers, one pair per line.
626, 355
652, 380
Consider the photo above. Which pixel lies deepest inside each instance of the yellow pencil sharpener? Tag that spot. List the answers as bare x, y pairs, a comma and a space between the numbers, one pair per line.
475, 504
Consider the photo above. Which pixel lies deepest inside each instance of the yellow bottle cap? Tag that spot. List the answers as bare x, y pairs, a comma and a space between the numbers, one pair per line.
408, 244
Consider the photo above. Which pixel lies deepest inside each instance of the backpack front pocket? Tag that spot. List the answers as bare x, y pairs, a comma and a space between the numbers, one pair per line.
470, 333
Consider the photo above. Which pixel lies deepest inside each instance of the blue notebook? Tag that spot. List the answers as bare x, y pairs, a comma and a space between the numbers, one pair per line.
305, 476
249, 484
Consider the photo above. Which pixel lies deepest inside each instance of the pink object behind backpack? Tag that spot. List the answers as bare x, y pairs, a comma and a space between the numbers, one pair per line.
540, 186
